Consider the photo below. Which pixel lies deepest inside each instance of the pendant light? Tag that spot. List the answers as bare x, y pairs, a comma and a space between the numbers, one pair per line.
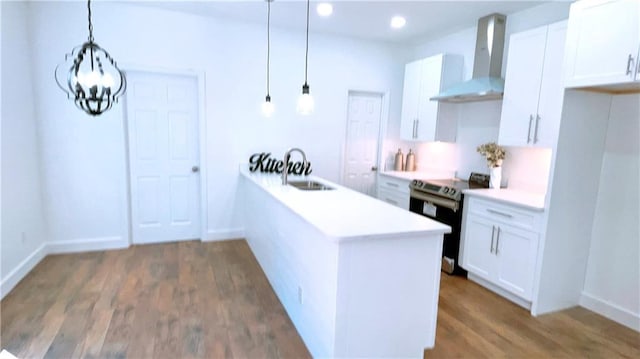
267, 105
305, 101
92, 79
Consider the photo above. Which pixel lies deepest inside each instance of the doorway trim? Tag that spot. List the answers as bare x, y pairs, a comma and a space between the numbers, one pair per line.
382, 130
199, 75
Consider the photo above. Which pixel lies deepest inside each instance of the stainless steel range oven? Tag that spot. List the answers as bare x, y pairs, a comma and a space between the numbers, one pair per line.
442, 201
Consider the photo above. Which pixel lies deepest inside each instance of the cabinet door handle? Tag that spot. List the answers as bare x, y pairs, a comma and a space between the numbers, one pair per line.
629, 62
493, 231
529, 130
497, 240
499, 213
535, 130
417, 126
413, 129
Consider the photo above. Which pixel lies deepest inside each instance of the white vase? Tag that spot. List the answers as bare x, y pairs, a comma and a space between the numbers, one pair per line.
495, 177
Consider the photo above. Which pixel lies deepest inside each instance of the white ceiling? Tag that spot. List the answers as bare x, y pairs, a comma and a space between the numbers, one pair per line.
355, 18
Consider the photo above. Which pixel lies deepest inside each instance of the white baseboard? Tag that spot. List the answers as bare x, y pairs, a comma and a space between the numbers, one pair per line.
611, 311
87, 245
16, 275
224, 235
72, 246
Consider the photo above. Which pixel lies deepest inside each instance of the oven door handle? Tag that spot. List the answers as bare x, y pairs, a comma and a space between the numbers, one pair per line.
447, 203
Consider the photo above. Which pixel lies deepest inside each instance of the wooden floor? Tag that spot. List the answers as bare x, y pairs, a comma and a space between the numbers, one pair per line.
476, 323
179, 300
211, 300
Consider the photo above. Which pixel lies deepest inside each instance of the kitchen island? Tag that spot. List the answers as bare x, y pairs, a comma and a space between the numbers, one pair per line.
358, 277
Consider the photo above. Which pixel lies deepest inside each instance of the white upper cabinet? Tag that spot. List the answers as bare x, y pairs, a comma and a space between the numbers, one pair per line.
423, 119
410, 99
533, 91
603, 43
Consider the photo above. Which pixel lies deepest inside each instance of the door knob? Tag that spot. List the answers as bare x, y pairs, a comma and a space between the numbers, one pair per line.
195, 169
374, 168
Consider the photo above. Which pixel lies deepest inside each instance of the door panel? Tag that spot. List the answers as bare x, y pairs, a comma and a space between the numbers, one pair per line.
478, 256
361, 150
410, 99
551, 88
522, 87
147, 200
517, 252
602, 35
162, 116
430, 86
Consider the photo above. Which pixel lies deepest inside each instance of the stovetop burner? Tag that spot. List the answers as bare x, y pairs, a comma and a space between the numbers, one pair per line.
451, 188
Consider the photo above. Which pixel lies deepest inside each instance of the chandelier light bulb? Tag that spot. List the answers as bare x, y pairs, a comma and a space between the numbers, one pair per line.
107, 80
398, 22
324, 9
267, 107
305, 102
93, 79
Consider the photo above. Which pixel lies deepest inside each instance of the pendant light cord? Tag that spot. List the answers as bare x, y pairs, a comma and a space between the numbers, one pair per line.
268, 42
90, 23
306, 54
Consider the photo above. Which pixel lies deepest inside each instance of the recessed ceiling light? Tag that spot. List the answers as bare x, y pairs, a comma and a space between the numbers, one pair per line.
324, 9
398, 22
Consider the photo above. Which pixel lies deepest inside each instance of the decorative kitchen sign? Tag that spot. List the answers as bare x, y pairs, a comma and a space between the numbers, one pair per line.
264, 163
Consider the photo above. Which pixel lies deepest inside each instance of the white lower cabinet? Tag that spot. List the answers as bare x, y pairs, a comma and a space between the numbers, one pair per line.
394, 191
500, 245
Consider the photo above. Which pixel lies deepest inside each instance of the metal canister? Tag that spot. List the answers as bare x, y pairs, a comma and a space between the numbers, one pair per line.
410, 163
399, 164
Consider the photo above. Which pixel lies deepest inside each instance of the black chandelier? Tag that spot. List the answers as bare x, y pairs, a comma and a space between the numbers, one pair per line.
93, 79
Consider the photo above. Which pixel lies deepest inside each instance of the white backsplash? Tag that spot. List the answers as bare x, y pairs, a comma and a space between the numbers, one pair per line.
430, 156
527, 168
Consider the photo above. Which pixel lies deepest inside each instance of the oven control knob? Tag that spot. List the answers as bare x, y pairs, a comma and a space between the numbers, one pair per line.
452, 191
446, 190
414, 183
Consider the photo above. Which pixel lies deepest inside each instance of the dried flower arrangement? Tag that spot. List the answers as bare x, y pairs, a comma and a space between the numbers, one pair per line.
493, 153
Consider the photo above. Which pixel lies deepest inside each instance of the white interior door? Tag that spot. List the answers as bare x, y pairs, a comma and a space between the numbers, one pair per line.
162, 119
363, 131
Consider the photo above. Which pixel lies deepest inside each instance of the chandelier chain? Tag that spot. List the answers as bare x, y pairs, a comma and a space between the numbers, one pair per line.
306, 54
90, 23
268, 42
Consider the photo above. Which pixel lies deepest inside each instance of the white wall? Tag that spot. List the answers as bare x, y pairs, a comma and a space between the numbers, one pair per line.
84, 158
23, 225
612, 284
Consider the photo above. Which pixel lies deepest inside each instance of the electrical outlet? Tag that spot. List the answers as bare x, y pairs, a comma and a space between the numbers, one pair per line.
23, 237
300, 296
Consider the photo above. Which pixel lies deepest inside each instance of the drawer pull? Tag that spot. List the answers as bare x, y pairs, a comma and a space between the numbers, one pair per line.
391, 184
499, 213
391, 201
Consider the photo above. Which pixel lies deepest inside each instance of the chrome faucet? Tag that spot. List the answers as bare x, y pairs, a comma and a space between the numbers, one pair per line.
287, 156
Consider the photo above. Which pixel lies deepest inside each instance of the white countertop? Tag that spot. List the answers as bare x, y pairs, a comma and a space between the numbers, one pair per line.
411, 175
344, 214
528, 200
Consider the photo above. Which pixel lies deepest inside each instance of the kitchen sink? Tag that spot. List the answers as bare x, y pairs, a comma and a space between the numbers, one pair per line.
310, 186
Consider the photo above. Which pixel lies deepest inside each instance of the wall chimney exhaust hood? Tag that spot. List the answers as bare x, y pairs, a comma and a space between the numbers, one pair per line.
486, 83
